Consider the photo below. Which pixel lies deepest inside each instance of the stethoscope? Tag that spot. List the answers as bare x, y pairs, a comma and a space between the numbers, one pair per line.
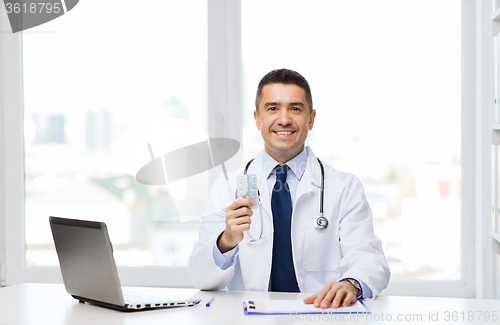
320, 223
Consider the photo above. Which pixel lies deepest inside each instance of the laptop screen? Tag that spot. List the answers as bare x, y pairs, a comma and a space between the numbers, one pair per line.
86, 259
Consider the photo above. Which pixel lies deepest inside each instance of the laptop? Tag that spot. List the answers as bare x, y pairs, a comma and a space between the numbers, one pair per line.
89, 270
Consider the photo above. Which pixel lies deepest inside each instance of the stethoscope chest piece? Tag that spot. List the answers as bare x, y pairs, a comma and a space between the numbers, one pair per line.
320, 223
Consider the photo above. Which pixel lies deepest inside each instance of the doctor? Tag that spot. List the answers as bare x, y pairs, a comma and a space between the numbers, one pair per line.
280, 246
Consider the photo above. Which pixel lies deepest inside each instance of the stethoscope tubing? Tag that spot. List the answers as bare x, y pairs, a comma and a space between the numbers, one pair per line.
321, 223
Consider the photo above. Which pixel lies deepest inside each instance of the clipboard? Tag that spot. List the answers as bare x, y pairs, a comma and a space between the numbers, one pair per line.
296, 307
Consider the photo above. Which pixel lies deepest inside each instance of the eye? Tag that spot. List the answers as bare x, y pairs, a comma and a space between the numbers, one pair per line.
296, 109
272, 108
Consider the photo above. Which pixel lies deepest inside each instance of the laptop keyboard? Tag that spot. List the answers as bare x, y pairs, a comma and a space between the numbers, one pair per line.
136, 300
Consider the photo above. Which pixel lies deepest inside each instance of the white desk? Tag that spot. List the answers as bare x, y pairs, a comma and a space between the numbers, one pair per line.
50, 304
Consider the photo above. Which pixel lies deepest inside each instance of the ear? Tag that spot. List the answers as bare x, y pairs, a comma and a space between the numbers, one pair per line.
256, 117
312, 116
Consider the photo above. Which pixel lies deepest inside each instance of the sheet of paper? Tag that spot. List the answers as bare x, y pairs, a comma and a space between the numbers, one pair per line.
298, 306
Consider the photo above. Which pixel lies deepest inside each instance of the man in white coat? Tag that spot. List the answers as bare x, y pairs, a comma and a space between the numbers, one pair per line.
281, 249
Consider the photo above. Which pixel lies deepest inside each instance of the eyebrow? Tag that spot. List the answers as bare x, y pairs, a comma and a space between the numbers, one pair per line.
290, 104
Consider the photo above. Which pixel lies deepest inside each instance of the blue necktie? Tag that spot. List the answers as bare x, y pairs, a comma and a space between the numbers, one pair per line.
283, 277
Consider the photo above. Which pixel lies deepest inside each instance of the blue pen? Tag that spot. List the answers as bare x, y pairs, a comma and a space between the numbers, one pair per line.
211, 300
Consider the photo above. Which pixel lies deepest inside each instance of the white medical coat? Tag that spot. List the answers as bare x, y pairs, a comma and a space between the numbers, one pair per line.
347, 248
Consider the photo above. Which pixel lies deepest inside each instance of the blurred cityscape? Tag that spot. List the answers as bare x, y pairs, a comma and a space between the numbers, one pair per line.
91, 181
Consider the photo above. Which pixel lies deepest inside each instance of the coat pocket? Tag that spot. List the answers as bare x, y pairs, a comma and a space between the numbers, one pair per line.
321, 249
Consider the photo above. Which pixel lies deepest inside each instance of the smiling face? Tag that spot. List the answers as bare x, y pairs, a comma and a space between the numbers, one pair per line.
284, 119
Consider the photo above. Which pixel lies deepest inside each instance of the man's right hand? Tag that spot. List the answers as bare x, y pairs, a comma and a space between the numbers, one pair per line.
237, 221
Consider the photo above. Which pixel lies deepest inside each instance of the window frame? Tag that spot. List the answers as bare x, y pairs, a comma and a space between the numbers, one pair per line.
224, 93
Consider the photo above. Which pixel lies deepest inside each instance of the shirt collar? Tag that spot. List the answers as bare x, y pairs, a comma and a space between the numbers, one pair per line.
297, 164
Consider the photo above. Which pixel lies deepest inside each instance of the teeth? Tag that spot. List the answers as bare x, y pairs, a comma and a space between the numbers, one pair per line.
284, 132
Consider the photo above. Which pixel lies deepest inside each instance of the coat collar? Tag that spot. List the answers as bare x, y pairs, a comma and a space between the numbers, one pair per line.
311, 179
297, 164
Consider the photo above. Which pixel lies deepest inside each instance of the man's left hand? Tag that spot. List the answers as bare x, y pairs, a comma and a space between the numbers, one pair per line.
335, 294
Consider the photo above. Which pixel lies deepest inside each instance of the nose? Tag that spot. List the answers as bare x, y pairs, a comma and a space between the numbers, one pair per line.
284, 118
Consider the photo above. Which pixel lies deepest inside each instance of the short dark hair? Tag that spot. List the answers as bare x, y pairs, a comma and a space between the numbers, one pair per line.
287, 77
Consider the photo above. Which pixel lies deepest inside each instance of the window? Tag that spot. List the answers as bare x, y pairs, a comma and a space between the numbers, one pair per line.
93, 98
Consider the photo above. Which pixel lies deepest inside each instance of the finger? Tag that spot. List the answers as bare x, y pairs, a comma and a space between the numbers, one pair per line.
241, 228
327, 300
310, 299
239, 221
237, 230
339, 297
232, 206
245, 211
320, 295
349, 300
243, 225
241, 212
319, 298
241, 202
